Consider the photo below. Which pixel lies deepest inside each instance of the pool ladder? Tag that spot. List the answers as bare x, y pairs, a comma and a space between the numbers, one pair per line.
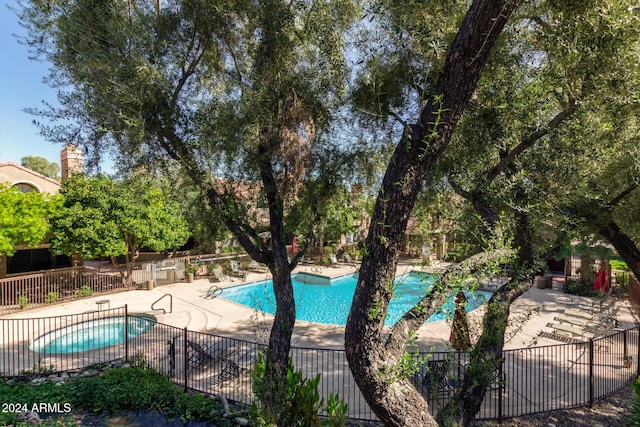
160, 299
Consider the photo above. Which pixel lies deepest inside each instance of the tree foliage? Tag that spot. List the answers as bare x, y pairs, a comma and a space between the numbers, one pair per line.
41, 165
530, 150
552, 134
104, 217
243, 91
24, 218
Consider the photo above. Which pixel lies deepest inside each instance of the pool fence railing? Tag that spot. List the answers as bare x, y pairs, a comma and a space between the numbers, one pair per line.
530, 380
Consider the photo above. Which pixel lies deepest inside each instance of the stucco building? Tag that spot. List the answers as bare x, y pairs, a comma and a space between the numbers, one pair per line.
25, 179
15, 175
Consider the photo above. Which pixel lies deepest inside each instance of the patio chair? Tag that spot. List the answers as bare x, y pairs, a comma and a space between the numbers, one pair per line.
254, 266
204, 359
348, 260
436, 376
235, 270
333, 260
218, 274
304, 260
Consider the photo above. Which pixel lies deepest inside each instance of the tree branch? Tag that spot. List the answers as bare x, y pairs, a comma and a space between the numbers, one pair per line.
449, 280
620, 197
458, 189
528, 141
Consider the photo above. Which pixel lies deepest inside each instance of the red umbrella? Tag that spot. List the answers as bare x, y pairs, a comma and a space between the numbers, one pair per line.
294, 245
459, 338
602, 278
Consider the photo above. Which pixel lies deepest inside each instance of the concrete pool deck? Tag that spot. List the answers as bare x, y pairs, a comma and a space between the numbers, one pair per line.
530, 313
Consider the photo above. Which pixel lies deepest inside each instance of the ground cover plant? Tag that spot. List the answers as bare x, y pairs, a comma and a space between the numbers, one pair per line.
111, 391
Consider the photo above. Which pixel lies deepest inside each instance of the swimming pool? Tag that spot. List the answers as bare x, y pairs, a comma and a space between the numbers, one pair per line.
326, 301
92, 334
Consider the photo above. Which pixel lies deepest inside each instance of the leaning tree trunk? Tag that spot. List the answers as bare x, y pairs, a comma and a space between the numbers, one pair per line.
626, 247
485, 358
371, 359
600, 220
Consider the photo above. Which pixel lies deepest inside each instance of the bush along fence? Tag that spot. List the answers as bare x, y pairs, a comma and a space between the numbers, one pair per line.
531, 380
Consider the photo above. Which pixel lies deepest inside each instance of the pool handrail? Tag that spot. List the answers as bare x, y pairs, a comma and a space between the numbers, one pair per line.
160, 299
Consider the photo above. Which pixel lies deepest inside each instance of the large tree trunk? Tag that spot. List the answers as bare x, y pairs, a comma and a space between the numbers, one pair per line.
277, 359
626, 247
370, 358
600, 219
523, 239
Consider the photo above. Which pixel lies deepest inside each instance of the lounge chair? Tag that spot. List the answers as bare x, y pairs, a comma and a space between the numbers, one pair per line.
579, 318
436, 378
585, 333
204, 359
235, 271
254, 266
218, 273
197, 355
574, 320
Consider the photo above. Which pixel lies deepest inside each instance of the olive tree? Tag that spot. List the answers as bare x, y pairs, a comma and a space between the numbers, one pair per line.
239, 94
445, 87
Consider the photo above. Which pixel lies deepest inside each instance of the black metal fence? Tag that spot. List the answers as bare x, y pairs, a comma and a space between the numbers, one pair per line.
530, 380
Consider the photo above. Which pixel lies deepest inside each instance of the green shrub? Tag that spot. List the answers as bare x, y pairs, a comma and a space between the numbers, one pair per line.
52, 298
23, 301
635, 417
575, 287
618, 265
302, 401
116, 390
190, 268
85, 291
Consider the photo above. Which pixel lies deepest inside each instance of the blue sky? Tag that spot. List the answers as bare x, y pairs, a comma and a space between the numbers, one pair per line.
22, 86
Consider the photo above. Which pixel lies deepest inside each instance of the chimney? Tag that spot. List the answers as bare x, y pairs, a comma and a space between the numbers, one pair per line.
70, 161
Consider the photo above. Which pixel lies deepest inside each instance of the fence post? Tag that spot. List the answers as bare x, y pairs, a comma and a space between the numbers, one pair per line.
591, 373
637, 328
500, 390
126, 333
186, 360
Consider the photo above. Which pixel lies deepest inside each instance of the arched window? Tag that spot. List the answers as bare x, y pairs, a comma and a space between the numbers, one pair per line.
25, 188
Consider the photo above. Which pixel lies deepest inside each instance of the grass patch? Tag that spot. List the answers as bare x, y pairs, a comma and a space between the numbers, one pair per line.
618, 265
114, 390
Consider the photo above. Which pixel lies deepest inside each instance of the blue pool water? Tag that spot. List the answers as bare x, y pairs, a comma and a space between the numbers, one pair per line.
329, 301
92, 334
